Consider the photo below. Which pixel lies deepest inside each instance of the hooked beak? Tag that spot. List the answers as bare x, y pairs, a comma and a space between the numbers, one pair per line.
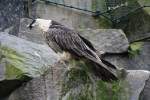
30, 26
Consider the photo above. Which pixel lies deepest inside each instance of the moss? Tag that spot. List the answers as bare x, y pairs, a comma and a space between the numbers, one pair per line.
12, 72
135, 48
112, 91
12, 56
13, 61
103, 22
80, 83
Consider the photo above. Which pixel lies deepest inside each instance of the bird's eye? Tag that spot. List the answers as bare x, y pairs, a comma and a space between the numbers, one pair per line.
32, 24
30, 27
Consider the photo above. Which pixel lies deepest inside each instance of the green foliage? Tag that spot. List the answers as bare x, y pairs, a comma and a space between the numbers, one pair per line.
135, 48
80, 83
12, 72
20, 63
13, 61
112, 91
12, 56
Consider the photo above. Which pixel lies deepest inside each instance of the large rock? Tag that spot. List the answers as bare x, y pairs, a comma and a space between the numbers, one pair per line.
136, 81
49, 88
107, 40
34, 58
145, 93
53, 80
20, 58
46, 87
132, 62
10, 13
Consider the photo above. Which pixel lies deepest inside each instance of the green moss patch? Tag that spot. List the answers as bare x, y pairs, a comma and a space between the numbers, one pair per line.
13, 62
80, 83
12, 72
135, 49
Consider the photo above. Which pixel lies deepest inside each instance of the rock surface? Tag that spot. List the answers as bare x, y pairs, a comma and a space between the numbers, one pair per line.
137, 80
20, 58
47, 82
35, 57
10, 13
107, 40
145, 93
135, 62
44, 89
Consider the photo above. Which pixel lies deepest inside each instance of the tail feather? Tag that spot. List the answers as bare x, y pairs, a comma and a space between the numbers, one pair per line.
109, 74
102, 68
108, 64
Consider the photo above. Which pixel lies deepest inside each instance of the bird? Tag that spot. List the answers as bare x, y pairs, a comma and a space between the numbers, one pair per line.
69, 43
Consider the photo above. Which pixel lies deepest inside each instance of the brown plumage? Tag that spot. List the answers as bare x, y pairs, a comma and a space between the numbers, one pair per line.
63, 39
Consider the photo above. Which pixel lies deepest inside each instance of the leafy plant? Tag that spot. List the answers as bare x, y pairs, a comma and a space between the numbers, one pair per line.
80, 83
135, 48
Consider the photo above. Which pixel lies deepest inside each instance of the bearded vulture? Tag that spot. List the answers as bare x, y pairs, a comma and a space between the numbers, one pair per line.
69, 42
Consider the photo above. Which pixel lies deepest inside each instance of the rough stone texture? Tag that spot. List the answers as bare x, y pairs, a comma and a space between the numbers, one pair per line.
70, 17
37, 57
44, 89
139, 61
107, 40
10, 13
22, 58
145, 93
137, 80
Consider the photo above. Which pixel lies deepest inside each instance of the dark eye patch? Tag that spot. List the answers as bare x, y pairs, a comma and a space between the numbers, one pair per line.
30, 26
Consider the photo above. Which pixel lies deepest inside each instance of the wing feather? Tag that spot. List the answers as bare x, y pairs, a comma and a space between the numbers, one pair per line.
69, 41
72, 42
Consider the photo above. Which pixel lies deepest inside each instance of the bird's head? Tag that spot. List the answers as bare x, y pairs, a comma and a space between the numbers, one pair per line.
43, 24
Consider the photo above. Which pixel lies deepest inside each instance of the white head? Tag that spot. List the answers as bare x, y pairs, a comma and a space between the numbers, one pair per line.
43, 24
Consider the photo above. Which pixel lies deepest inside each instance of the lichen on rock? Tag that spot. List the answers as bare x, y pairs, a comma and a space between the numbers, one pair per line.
13, 61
